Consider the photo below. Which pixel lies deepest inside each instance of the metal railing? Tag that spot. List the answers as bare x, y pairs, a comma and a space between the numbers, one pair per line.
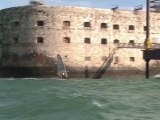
136, 45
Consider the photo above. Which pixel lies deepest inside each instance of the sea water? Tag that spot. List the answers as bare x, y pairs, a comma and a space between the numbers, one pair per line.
79, 99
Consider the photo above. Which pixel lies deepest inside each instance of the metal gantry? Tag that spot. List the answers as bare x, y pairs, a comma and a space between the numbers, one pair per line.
149, 53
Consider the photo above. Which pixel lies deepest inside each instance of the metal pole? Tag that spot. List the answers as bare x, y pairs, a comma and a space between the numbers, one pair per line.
147, 68
147, 21
147, 41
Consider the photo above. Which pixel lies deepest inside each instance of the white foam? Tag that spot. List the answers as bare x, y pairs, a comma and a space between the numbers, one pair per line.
97, 103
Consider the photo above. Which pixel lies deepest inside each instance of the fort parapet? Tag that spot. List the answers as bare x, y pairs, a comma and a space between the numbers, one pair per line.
32, 36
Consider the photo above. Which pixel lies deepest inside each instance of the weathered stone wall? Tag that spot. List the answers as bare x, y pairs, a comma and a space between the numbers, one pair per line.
21, 23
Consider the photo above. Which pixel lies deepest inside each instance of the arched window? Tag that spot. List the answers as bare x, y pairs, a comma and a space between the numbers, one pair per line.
66, 39
131, 27
132, 59
40, 40
103, 25
103, 41
131, 42
66, 24
40, 23
116, 27
116, 41
87, 40
87, 24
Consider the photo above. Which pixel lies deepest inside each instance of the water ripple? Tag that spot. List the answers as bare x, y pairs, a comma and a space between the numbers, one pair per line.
79, 99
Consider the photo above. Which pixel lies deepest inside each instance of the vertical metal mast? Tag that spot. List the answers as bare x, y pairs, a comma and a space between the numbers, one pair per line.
147, 40
147, 21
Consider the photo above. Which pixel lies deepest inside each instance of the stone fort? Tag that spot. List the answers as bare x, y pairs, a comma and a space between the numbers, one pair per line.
31, 37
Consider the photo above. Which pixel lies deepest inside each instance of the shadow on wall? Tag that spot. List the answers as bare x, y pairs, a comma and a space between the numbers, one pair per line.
27, 65
27, 60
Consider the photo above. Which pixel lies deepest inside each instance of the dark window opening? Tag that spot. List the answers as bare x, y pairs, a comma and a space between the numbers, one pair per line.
66, 39
116, 27
116, 41
88, 58
145, 28
16, 40
87, 40
15, 57
40, 40
66, 56
104, 58
40, 23
16, 24
66, 24
87, 24
131, 42
116, 60
132, 59
131, 27
103, 25
103, 41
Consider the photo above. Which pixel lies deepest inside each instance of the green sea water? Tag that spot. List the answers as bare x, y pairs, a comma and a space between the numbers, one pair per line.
79, 99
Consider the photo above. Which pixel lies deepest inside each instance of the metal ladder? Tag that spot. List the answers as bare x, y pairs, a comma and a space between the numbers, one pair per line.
106, 64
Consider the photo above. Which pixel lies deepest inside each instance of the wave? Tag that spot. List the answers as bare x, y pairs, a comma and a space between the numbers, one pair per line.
78, 99
98, 104
11, 78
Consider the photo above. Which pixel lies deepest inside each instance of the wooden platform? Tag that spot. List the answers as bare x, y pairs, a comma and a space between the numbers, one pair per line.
151, 54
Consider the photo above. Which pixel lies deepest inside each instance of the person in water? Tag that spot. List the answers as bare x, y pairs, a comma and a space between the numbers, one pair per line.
64, 76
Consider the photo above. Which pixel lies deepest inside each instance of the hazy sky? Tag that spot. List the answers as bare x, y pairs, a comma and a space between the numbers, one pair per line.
127, 4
